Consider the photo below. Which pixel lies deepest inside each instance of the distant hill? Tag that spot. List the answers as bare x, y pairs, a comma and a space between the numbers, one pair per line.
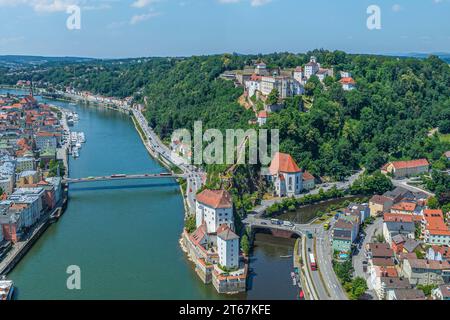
443, 55
18, 60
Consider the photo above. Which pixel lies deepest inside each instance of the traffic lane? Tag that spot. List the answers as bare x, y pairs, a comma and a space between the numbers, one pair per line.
315, 277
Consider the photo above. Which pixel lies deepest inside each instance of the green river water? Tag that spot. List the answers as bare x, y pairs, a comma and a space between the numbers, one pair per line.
124, 236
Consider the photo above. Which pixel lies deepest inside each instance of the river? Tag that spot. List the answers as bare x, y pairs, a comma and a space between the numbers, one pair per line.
124, 235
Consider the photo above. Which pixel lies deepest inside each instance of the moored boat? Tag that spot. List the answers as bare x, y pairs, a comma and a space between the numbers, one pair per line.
6, 290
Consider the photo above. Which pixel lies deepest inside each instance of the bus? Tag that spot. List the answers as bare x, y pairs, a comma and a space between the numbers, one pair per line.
312, 262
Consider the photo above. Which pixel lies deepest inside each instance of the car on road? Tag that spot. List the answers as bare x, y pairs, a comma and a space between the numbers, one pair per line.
275, 221
288, 224
264, 223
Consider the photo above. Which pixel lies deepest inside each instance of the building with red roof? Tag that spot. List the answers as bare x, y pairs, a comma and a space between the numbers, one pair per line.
285, 174
400, 169
214, 208
262, 117
309, 182
348, 83
434, 228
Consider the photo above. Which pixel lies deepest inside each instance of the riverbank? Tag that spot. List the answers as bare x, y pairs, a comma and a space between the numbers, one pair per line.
18, 248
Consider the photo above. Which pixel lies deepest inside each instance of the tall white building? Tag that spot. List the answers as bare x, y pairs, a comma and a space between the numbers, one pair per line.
214, 208
286, 176
228, 247
312, 67
299, 74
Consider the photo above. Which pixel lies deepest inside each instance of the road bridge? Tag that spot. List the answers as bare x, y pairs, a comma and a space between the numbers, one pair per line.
118, 177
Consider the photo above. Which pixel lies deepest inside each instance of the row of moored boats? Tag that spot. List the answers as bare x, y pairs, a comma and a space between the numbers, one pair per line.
75, 139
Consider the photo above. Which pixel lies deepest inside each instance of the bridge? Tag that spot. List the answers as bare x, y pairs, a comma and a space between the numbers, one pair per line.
281, 230
119, 177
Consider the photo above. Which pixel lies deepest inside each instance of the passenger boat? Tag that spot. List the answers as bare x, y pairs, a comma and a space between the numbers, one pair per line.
75, 152
81, 137
6, 289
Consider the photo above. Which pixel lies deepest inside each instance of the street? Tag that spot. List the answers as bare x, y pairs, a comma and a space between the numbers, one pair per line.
194, 175
342, 185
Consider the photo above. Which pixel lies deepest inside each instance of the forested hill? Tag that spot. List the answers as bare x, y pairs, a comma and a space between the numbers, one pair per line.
388, 116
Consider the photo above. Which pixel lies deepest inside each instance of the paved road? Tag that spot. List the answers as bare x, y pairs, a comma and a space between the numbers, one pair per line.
404, 184
323, 256
339, 185
194, 175
359, 256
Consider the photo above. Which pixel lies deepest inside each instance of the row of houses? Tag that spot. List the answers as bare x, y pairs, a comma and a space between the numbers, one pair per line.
405, 211
30, 134
347, 228
23, 209
415, 250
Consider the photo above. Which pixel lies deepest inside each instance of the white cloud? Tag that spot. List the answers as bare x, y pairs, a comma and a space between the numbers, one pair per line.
258, 3
253, 3
51, 5
397, 8
143, 3
143, 17
229, 1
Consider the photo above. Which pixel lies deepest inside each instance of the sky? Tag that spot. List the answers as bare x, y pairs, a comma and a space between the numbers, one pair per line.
138, 28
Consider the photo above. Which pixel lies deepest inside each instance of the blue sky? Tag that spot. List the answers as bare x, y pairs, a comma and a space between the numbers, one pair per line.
134, 28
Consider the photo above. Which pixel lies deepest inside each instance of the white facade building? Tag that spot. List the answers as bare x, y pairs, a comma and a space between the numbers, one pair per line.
312, 67
228, 247
286, 176
214, 208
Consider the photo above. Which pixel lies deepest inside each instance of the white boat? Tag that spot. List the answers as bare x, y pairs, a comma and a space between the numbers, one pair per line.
6, 290
75, 117
75, 152
81, 137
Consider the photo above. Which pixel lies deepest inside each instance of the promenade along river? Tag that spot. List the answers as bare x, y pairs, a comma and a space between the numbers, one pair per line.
124, 235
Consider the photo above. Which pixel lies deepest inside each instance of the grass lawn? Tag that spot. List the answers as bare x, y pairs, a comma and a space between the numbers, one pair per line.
444, 137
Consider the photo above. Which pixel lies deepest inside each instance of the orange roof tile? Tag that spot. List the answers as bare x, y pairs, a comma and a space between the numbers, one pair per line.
215, 198
283, 162
410, 163
404, 206
397, 217
307, 176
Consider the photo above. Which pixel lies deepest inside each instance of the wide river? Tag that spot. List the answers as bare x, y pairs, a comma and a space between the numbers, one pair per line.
124, 235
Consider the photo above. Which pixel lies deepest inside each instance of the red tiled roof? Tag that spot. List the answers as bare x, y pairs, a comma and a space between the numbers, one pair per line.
263, 114
255, 77
283, 162
404, 206
410, 163
215, 198
347, 80
397, 217
435, 223
307, 176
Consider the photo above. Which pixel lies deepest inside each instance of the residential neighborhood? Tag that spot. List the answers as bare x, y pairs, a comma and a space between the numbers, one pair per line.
31, 170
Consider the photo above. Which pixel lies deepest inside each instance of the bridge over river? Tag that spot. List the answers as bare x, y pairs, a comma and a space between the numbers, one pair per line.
124, 177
